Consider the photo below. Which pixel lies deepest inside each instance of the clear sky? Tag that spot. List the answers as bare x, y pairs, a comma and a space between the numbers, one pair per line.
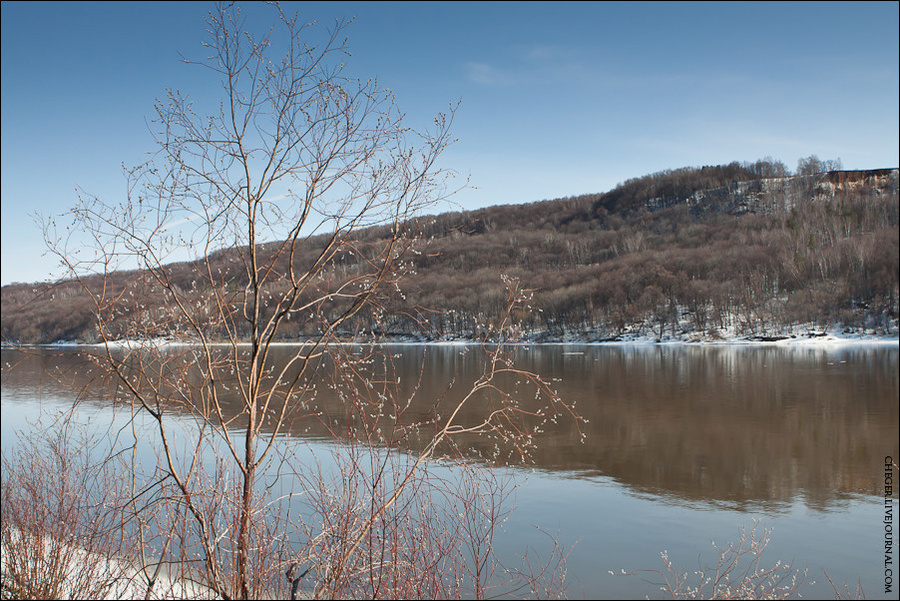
557, 99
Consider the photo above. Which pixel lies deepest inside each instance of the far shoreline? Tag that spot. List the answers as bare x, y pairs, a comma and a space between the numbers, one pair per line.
814, 340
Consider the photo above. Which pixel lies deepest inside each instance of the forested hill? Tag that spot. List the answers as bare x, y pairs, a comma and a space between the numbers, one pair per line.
694, 253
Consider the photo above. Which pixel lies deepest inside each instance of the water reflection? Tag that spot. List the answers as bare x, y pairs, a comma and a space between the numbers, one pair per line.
742, 427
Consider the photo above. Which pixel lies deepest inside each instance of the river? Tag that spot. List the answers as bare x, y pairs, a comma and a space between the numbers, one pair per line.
684, 445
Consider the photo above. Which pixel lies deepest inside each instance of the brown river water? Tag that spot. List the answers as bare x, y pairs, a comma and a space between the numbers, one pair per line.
683, 445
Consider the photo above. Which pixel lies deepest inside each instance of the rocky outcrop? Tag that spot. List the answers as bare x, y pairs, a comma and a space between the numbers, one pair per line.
771, 196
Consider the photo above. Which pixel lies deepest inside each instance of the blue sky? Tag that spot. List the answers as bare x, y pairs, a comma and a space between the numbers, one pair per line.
556, 99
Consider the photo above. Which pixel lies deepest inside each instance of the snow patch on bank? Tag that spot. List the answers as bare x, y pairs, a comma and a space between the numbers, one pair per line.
83, 574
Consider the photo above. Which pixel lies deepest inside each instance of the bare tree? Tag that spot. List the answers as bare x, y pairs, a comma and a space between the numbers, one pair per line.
291, 207
813, 165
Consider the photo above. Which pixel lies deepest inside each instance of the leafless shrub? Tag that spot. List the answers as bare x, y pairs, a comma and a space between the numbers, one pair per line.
739, 573
62, 530
846, 592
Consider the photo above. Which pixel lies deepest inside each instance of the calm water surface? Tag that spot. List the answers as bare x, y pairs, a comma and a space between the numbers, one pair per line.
685, 445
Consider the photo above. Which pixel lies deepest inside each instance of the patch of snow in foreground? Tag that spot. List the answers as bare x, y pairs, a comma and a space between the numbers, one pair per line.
92, 574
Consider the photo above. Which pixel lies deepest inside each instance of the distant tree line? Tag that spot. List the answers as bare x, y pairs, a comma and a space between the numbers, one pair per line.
743, 248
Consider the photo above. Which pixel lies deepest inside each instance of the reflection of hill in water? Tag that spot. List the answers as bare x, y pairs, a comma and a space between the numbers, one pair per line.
739, 425
725, 425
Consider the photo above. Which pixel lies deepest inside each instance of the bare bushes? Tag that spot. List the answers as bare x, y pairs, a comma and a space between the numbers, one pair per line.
378, 527
62, 530
738, 573
434, 542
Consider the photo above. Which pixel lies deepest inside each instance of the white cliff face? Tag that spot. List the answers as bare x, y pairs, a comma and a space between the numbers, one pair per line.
770, 196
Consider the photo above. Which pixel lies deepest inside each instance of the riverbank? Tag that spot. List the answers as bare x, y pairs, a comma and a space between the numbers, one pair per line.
800, 337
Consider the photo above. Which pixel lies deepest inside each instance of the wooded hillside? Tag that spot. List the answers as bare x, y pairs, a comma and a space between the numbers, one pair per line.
738, 249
